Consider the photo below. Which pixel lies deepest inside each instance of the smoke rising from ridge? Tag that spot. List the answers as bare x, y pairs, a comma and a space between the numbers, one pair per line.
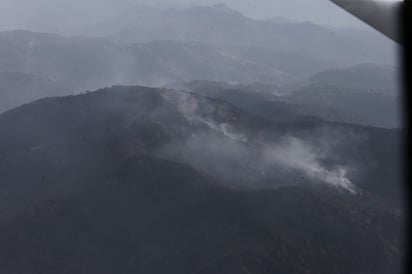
298, 155
228, 151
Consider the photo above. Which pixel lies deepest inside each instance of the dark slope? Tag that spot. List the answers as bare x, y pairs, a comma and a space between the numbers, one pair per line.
84, 189
113, 112
166, 122
147, 215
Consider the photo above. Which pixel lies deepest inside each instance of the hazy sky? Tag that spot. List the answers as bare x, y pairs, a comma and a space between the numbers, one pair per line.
46, 14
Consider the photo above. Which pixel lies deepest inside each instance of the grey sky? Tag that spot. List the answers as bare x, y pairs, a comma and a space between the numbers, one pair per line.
48, 15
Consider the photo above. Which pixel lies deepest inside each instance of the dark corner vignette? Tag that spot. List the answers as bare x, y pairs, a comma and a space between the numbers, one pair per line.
406, 62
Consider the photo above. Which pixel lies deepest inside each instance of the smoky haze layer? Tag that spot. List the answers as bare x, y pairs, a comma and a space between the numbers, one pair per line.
157, 46
224, 26
233, 155
139, 178
264, 144
366, 94
49, 15
71, 64
212, 136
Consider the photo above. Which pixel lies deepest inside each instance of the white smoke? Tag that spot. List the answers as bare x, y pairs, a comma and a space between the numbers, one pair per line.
224, 129
189, 107
295, 154
245, 165
225, 150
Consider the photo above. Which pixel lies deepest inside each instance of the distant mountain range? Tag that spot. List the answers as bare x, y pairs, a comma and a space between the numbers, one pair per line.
157, 47
97, 62
355, 105
54, 65
336, 98
261, 146
220, 25
371, 78
17, 88
161, 181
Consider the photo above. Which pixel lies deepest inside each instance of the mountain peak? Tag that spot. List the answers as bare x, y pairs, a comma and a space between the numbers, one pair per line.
219, 8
